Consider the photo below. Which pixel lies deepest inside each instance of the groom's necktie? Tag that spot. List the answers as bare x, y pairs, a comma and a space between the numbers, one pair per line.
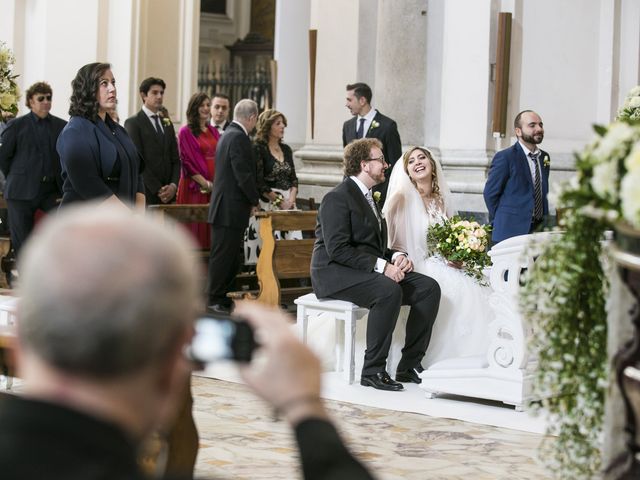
369, 198
537, 188
360, 131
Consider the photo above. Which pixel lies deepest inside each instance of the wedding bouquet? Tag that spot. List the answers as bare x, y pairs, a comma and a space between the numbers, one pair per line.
464, 242
9, 92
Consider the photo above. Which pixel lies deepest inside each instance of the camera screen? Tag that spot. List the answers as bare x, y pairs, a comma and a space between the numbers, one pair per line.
221, 338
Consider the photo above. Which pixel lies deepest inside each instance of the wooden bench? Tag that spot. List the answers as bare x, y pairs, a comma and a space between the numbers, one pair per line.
284, 266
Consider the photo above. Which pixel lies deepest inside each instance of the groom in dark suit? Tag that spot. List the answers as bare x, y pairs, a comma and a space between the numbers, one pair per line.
368, 122
351, 262
518, 182
153, 135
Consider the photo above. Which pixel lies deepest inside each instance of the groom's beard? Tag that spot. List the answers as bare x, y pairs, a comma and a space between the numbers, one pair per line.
378, 178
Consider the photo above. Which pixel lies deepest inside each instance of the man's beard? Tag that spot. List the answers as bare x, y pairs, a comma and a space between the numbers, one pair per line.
378, 178
532, 138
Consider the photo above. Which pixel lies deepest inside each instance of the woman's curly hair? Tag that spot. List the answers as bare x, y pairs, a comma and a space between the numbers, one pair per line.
193, 116
265, 121
84, 87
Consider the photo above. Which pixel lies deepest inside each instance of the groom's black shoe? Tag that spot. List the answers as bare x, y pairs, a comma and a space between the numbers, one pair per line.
381, 381
410, 376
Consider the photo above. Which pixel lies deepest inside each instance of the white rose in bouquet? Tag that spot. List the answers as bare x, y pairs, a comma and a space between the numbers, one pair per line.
604, 180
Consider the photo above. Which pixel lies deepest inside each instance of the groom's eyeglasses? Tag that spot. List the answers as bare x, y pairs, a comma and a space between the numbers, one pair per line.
379, 159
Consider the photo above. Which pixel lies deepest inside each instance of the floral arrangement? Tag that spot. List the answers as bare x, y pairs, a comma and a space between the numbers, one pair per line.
565, 294
374, 124
464, 242
631, 107
163, 113
377, 196
9, 91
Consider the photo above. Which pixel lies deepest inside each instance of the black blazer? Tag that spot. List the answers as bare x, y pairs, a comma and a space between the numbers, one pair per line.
234, 185
21, 158
161, 158
386, 132
348, 241
88, 153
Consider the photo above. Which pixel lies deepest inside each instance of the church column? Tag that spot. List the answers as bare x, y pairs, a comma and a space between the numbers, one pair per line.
464, 105
291, 52
400, 66
319, 162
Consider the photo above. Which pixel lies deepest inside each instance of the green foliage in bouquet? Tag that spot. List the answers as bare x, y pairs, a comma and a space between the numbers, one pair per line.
9, 91
564, 296
464, 242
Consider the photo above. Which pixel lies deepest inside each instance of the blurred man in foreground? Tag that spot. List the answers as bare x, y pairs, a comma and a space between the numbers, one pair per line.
106, 310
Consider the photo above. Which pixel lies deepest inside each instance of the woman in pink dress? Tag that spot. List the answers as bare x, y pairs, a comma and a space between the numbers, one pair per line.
197, 141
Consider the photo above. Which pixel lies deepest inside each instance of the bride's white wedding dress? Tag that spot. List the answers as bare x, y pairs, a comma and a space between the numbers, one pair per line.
461, 328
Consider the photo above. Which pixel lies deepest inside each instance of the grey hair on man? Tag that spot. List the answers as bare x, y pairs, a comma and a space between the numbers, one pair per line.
245, 109
105, 293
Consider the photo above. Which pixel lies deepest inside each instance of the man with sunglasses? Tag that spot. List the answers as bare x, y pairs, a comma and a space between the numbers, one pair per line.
351, 262
30, 163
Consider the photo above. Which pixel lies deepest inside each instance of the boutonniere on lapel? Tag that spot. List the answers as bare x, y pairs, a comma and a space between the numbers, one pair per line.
546, 162
164, 116
374, 124
376, 197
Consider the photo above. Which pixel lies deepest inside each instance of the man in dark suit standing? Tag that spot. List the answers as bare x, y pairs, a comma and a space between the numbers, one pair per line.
518, 182
234, 199
368, 122
153, 135
220, 105
30, 163
351, 262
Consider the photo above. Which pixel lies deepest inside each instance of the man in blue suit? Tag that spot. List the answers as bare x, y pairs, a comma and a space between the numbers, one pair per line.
518, 182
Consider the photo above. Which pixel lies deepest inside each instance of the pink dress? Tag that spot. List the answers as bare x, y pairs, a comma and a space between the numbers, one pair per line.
198, 157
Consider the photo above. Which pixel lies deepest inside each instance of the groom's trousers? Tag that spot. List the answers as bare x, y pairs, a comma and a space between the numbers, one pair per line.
384, 297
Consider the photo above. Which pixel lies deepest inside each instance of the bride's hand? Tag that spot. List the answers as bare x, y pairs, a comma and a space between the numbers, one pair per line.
457, 264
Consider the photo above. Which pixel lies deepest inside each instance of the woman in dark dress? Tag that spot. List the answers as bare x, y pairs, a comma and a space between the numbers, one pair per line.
99, 161
276, 174
275, 177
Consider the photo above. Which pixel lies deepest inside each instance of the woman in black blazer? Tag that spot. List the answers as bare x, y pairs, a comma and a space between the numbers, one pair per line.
99, 160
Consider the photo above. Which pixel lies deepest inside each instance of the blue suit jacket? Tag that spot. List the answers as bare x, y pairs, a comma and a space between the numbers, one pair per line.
508, 192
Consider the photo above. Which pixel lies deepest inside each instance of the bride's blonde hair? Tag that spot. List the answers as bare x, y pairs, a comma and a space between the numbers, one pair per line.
435, 188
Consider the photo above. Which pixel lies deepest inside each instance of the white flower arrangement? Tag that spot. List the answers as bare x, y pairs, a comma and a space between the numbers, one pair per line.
9, 91
631, 107
374, 124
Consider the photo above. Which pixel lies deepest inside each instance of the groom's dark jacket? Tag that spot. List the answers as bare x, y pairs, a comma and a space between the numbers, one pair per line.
348, 241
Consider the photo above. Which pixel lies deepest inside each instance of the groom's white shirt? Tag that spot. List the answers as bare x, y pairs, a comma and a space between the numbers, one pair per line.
381, 262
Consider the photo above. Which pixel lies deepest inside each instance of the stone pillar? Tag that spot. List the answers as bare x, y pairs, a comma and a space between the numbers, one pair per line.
291, 52
400, 66
319, 161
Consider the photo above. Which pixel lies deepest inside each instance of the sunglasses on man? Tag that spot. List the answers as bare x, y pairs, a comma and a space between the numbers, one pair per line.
42, 98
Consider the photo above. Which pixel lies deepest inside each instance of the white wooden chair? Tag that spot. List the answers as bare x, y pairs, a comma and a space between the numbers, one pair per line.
346, 315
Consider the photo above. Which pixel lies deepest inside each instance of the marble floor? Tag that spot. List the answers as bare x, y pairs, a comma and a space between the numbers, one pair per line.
240, 439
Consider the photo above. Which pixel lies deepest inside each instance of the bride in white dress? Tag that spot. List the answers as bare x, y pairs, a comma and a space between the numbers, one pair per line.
417, 197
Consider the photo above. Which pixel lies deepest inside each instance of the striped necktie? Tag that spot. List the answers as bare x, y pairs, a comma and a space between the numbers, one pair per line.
372, 204
537, 188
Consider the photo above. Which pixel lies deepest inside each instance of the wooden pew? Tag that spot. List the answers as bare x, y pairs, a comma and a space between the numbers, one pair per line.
283, 261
